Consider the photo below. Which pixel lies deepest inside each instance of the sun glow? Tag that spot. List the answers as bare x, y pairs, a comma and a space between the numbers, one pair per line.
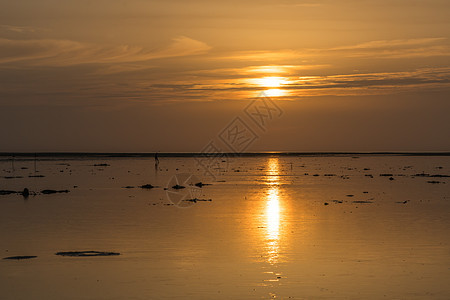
274, 93
273, 85
270, 82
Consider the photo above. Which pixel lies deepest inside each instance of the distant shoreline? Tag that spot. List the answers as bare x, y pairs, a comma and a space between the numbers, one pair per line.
198, 154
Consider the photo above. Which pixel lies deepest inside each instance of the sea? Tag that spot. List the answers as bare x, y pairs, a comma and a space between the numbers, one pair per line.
254, 226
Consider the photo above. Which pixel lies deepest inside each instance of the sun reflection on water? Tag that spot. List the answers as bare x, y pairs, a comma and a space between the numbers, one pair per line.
273, 211
273, 225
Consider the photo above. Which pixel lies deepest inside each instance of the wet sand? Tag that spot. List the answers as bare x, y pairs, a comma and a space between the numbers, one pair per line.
286, 227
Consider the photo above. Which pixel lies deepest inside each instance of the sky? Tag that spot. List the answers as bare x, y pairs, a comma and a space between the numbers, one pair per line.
177, 75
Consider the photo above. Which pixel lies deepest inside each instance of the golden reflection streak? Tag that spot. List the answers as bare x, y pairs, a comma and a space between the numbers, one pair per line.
273, 211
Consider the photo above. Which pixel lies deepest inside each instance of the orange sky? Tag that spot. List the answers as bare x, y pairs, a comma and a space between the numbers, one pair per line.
137, 76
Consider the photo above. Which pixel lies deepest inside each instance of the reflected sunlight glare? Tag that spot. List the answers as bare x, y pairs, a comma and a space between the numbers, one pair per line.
273, 211
273, 214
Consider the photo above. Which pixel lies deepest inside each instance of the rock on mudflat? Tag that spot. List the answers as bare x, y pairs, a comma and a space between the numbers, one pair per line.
146, 186
178, 187
86, 253
201, 184
6, 192
20, 257
403, 202
196, 199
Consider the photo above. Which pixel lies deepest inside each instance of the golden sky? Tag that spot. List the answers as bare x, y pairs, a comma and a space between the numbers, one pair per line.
135, 75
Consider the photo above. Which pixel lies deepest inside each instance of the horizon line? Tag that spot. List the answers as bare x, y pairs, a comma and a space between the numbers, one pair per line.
195, 154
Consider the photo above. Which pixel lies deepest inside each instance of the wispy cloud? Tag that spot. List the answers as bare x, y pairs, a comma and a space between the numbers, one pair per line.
256, 70
337, 85
431, 77
423, 47
263, 55
391, 43
300, 4
304, 72
35, 50
121, 68
408, 48
18, 29
48, 52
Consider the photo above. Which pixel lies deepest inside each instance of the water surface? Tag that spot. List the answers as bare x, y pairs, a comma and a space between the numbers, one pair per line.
287, 227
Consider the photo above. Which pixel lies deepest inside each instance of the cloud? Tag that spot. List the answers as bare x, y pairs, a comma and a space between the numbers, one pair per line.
48, 52
18, 29
299, 86
391, 43
255, 70
409, 48
301, 4
263, 55
121, 68
390, 80
423, 47
211, 78
34, 50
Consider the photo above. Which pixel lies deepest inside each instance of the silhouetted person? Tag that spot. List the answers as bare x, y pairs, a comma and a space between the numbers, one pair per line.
25, 193
156, 160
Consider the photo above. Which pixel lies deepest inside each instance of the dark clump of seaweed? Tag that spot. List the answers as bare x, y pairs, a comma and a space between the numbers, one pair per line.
7, 192
195, 200
201, 184
146, 186
86, 253
20, 257
178, 187
48, 192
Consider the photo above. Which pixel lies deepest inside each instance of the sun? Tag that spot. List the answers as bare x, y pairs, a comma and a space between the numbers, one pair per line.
274, 93
272, 85
270, 82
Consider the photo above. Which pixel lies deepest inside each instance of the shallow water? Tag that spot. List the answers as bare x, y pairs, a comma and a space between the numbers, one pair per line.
266, 233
